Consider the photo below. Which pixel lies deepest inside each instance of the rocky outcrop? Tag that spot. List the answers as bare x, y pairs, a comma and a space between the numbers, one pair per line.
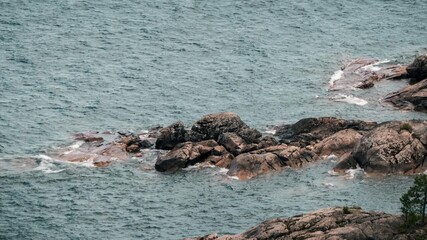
329, 223
208, 127
391, 148
340, 143
190, 153
417, 70
102, 149
364, 73
309, 131
212, 125
411, 97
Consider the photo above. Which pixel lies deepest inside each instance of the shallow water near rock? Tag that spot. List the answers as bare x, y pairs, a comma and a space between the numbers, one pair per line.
79, 66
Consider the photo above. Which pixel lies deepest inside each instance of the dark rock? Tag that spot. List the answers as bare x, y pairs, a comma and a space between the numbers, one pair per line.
88, 137
267, 141
133, 142
232, 142
418, 69
308, 131
171, 136
212, 125
250, 135
411, 97
185, 154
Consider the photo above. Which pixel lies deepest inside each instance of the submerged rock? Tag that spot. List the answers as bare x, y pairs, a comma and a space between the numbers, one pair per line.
364, 73
328, 223
418, 68
411, 97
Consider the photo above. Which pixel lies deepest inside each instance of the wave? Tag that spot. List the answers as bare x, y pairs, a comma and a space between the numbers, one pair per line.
335, 77
350, 99
46, 164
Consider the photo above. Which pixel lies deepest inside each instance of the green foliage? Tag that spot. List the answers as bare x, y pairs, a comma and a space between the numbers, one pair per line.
414, 201
406, 127
346, 210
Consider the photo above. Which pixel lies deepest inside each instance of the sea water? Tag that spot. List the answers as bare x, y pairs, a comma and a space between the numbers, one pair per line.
77, 66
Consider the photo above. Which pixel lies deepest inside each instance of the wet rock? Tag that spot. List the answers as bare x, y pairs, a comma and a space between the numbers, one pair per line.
418, 69
411, 97
88, 137
329, 223
392, 147
213, 125
364, 73
101, 155
186, 154
133, 142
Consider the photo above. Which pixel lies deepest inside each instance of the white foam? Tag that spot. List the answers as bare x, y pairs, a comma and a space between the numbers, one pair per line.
351, 173
271, 131
46, 164
335, 77
333, 173
350, 99
332, 158
374, 66
328, 184
233, 177
73, 147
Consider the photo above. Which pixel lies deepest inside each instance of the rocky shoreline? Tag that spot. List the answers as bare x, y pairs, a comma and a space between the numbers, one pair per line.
224, 140
329, 223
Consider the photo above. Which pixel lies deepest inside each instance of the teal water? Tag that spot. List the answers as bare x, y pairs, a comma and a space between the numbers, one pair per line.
76, 66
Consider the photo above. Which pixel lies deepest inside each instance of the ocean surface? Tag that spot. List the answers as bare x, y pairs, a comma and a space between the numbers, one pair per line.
77, 66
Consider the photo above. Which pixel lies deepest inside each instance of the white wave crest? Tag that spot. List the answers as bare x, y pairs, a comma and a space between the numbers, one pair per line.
335, 77
46, 165
351, 173
350, 99
374, 66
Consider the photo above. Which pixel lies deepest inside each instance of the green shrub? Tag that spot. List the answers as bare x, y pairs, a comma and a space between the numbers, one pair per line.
406, 127
346, 210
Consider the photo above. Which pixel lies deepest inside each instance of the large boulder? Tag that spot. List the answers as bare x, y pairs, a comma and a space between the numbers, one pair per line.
328, 223
213, 125
171, 136
339, 144
247, 165
392, 147
190, 153
411, 97
271, 159
418, 69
